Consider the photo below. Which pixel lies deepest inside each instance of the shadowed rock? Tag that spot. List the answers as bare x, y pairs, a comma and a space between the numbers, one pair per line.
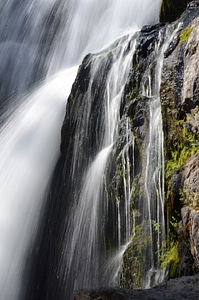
175, 289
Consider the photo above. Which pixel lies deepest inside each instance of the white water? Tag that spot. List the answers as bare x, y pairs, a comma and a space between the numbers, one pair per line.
126, 234
85, 225
93, 25
26, 166
128, 178
33, 41
153, 208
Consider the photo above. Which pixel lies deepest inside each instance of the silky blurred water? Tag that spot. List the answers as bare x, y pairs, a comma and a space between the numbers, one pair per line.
40, 44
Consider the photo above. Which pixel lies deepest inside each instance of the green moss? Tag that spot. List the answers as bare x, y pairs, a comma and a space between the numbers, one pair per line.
185, 34
170, 259
155, 225
180, 155
181, 150
181, 145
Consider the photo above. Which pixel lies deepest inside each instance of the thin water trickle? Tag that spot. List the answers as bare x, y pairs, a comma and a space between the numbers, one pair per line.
127, 232
153, 208
128, 178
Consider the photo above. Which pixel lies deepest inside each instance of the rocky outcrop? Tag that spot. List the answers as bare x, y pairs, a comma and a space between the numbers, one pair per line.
179, 101
189, 226
175, 289
179, 98
180, 113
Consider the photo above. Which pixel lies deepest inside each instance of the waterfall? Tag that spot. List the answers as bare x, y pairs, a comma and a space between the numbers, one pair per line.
140, 197
41, 44
23, 181
153, 208
84, 228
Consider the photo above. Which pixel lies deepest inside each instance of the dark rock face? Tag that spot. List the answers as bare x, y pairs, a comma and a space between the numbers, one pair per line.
147, 40
172, 9
118, 294
175, 289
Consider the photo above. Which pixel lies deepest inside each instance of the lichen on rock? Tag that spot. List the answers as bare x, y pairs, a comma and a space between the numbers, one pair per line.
179, 98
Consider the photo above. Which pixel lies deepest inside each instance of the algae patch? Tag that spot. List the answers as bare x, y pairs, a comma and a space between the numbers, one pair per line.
185, 34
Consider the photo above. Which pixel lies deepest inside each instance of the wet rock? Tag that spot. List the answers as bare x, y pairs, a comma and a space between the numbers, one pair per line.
118, 294
193, 4
191, 181
179, 98
137, 111
176, 181
149, 36
188, 231
175, 289
190, 219
186, 265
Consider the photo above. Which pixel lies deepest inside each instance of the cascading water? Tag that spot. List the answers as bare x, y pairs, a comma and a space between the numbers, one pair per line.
153, 209
147, 222
25, 170
38, 39
85, 226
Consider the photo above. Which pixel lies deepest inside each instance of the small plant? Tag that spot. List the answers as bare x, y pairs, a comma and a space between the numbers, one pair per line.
174, 222
156, 225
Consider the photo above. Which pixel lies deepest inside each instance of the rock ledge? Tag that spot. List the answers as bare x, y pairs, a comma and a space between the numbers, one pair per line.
186, 287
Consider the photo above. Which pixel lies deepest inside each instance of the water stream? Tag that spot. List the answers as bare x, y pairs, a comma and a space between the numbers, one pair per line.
41, 42
153, 208
85, 227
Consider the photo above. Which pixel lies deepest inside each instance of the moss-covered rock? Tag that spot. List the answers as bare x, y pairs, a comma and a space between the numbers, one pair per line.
135, 259
179, 98
179, 94
170, 259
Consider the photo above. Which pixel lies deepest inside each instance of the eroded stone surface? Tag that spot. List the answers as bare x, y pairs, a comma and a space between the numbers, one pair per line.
190, 90
180, 108
175, 289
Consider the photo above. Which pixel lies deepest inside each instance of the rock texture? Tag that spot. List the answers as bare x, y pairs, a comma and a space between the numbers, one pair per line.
175, 289
179, 94
179, 97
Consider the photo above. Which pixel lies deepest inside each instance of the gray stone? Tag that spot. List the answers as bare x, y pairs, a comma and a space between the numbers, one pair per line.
175, 289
